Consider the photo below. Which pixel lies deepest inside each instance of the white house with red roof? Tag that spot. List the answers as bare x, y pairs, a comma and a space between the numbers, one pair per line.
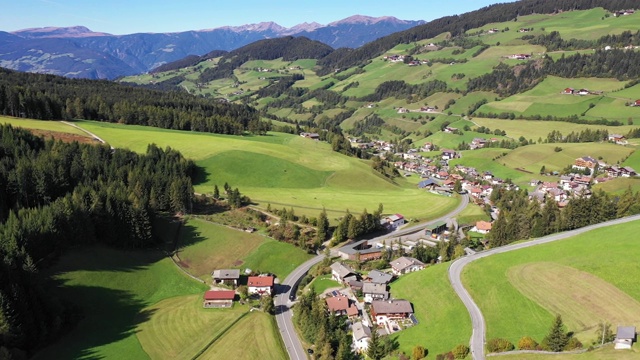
261, 285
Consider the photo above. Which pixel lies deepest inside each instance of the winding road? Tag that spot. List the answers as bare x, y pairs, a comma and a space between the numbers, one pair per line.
455, 270
284, 315
283, 305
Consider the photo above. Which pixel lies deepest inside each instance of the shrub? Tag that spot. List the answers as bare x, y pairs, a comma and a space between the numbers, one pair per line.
573, 344
461, 351
527, 343
499, 345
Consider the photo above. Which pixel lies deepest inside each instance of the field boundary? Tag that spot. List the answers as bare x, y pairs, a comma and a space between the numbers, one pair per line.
217, 337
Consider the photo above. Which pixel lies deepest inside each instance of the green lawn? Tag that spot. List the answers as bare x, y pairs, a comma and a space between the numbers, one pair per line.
205, 246
113, 289
471, 214
494, 284
443, 319
324, 282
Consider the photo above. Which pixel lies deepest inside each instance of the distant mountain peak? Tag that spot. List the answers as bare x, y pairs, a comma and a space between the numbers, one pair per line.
367, 20
261, 26
58, 32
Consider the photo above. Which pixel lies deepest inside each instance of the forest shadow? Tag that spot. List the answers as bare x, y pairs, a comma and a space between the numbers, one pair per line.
188, 235
98, 314
200, 176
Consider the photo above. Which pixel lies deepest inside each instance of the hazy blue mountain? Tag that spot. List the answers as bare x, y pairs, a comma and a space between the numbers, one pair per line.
79, 52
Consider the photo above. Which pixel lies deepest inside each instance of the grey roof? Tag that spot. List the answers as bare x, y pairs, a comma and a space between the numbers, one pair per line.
360, 331
626, 332
392, 306
371, 288
404, 262
226, 274
379, 277
354, 248
342, 270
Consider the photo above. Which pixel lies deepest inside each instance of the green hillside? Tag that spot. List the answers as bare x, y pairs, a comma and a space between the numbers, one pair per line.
525, 285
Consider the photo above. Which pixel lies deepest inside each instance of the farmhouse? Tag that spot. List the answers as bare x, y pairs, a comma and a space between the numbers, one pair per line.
585, 162
261, 285
340, 272
313, 136
340, 305
568, 91
378, 277
426, 184
360, 249
635, 103
361, 336
482, 227
625, 336
392, 221
226, 276
218, 298
372, 292
402, 110
405, 264
618, 139
382, 311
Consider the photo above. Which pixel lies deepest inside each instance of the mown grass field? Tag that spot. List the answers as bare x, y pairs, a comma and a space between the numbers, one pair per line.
114, 290
41, 125
538, 130
180, 327
533, 157
321, 177
255, 337
619, 185
443, 321
546, 99
205, 246
605, 353
520, 292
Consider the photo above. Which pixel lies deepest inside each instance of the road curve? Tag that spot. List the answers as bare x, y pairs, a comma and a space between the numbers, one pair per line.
415, 228
477, 340
283, 310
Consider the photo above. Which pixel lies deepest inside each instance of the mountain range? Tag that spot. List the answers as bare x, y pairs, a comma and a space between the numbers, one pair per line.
81, 53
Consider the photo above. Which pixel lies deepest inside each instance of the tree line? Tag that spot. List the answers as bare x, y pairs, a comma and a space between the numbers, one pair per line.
49, 97
521, 218
54, 195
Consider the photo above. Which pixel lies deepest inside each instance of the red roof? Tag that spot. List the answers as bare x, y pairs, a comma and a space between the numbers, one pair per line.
483, 225
260, 281
219, 295
338, 303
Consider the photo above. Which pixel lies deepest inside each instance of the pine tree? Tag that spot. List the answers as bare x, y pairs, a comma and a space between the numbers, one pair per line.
557, 338
216, 192
323, 227
374, 350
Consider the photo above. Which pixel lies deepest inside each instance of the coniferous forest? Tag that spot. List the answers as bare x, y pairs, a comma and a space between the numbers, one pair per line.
54, 195
48, 97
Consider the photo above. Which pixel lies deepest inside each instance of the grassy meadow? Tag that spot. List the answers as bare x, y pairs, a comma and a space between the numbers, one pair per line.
443, 321
283, 170
205, 246
586, 279
114, 291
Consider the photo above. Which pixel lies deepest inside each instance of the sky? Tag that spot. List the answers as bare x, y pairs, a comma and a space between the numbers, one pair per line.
120, 17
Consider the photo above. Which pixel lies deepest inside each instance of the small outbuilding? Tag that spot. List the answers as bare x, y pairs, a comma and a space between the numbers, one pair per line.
218, 298
625, 337
226, 276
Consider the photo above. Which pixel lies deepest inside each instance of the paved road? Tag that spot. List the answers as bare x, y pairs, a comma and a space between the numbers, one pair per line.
282, 303
416, 228
283, 310
455, 270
